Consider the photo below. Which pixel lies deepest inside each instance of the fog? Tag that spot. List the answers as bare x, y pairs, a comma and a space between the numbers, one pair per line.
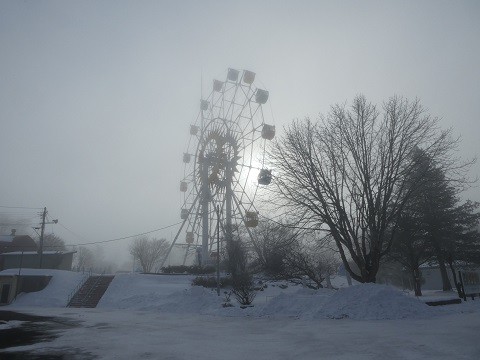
96, 98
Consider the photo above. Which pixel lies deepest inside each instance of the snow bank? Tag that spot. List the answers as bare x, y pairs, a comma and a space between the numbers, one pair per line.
301, 303
164, 293
174, 294
197, 300
373, 302
55, 294
142, 292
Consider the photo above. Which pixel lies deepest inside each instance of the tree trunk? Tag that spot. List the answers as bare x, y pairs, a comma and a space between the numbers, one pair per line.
417, 284
458, 286
445, 280
329, 283
349, 278
371, 267
443, 269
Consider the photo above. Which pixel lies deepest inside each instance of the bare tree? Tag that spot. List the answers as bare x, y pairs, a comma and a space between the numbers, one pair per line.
53, 242
272, 243
149, 252
312, 259
84, 259
242, 280
347, 173
283, 251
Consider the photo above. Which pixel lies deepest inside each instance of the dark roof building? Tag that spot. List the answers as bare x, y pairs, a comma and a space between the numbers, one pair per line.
12, 243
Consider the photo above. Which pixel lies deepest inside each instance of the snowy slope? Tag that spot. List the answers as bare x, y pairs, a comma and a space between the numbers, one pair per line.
55, 294
174, 294
164, 317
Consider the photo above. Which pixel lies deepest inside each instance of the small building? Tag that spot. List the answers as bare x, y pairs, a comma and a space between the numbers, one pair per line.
432, 278
8, 288
11, 285
21, 251
12, 243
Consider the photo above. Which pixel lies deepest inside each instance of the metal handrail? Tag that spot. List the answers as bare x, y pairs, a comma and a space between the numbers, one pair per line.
79, 285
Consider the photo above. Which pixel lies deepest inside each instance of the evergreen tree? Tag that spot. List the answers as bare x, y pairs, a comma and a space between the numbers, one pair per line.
434, 225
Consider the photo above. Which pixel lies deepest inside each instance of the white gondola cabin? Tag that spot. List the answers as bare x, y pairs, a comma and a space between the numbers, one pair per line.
261, 96
183, 186
184, 214
248, 77
217, 85
186, 158
264, 177
204, 105
232, 75
268, 132
193, 130
251, 219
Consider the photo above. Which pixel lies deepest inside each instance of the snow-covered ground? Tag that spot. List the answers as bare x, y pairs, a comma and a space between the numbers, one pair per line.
163, 317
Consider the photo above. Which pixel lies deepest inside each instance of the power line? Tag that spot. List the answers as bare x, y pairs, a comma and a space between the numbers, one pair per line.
20, 207
70, 231
13, 224
125, 237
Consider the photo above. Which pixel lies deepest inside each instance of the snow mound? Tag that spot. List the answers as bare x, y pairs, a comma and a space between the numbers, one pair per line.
197, 300
302, 303
200, 300
373, 302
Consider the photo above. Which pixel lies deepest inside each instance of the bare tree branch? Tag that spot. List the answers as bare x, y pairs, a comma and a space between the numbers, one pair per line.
348, 172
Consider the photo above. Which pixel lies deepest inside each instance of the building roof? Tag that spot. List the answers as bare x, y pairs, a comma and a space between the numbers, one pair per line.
6, 238
11, 243
36, 253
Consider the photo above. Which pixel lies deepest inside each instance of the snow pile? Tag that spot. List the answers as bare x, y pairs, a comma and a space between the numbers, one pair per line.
197, 299
302, 303
373, 302
174, 294
55, 294
165, 293
340, 281
142, 292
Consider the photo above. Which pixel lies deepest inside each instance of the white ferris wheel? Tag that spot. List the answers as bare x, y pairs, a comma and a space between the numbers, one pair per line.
224, 167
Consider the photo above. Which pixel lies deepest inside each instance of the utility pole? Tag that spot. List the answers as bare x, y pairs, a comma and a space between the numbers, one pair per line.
44, 215
218, 250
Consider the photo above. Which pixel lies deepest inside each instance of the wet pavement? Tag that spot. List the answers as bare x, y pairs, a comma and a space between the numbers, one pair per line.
34, 329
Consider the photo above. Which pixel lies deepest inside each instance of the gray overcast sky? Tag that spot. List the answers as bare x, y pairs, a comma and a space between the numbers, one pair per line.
96, 96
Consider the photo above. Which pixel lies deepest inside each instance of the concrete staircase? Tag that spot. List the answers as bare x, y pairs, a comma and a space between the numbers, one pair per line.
91, 292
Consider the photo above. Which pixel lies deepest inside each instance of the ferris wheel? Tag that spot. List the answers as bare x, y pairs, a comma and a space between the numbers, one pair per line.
224, 166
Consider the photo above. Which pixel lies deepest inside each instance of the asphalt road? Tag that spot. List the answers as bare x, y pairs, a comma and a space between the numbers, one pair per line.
32, 330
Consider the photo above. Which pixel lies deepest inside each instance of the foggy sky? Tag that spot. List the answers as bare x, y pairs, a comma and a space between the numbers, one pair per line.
96, 97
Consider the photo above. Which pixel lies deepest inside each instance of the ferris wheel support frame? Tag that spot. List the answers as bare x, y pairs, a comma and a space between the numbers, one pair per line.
229, 130
205, 199
228, 206
205, 204
176, 237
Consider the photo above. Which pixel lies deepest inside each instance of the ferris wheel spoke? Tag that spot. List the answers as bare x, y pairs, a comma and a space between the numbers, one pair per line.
242, 216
